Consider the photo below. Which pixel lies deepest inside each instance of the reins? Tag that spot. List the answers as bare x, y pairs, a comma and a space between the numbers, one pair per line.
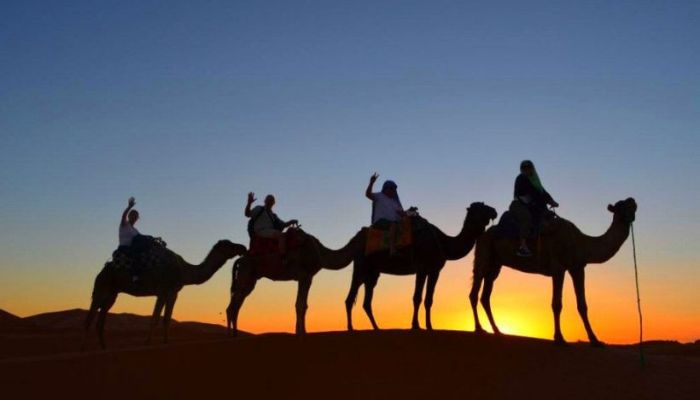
639, 303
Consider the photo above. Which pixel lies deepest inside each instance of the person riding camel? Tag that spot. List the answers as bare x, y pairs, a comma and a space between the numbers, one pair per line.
131, 241
127, 231
387, 210
529, 203
265, 223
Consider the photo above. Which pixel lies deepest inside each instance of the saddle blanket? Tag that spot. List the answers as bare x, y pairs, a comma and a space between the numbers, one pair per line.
378, 239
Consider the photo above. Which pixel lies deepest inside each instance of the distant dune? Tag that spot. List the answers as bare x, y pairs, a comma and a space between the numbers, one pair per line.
62, 332
337, 365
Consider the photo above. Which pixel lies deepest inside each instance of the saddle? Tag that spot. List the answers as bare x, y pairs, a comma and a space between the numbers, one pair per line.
264, 246
148, 253
508, 225
268, 260
378, 239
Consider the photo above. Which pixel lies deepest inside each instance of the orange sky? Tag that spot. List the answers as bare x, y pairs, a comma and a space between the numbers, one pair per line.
520, 302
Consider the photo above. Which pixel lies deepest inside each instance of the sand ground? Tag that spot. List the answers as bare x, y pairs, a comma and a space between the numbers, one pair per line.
367, 365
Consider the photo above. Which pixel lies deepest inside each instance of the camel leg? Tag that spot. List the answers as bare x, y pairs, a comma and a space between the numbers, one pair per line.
370, 283
102, 316
474, 300
167, 316
302, 303
429, 291
486, 301
88, 321
155, 317
352, 296
417, 297
557, 288
578, 275
245, 286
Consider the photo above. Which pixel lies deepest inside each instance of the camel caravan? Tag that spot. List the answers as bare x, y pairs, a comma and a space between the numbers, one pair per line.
529, 237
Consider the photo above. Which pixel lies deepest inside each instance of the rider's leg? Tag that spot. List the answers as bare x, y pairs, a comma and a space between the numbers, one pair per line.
392, 238
522, 215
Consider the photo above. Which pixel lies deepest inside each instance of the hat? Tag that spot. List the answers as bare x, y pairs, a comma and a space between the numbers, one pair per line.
389, 185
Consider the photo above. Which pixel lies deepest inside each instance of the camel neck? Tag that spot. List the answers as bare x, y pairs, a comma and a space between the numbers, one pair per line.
198, 274
600, 249
341, 258
456, 247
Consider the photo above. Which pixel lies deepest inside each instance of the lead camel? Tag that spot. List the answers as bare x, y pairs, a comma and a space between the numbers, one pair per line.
564, 249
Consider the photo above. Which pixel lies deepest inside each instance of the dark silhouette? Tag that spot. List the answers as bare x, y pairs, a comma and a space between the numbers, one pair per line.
264, 223
303, 261
562, 248
529, 205
164, 280
430, 250
387, 210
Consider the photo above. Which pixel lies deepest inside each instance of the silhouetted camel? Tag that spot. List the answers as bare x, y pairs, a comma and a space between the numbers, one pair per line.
430, 250
302, 264
163, 281
566, 248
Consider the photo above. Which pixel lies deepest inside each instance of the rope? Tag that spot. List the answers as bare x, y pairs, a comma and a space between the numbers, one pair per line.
639, 303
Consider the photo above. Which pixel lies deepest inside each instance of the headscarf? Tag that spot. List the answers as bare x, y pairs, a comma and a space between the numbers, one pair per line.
389, 184
534, 178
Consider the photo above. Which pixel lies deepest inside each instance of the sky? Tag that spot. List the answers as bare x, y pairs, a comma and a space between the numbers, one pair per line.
188, 106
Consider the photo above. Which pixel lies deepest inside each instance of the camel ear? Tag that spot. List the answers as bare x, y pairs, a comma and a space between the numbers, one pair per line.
611, 208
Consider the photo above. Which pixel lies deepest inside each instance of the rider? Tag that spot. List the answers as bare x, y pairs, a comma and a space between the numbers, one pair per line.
127, 231
265, 223
529, 203
387, 210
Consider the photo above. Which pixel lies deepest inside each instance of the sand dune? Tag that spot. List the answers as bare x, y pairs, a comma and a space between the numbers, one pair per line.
62, 332
367, 365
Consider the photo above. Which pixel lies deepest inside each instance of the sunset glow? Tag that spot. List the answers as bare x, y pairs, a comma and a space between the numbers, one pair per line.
189, 107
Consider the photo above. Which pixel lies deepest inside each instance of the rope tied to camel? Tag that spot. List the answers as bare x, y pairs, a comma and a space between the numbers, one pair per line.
639, 302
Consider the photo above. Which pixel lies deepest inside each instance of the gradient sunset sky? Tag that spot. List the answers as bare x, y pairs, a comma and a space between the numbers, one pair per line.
189, 105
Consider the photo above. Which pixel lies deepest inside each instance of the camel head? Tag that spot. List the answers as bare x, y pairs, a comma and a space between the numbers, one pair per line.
624, 210
228, 249
480, 214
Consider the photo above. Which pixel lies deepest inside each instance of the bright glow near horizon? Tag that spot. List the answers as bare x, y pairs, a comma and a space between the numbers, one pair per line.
189, 107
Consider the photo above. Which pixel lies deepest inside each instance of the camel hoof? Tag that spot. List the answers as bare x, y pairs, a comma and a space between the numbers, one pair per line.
561, 342
415, 327
479, 330
597, 343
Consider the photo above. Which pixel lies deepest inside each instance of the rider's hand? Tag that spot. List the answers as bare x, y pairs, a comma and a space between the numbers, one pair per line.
293, 222
251, 198
132, 201
374, 177
554, 204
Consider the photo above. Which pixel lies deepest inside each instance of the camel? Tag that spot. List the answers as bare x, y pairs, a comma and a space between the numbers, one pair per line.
302, 264
564, 248
425, 258
163, 281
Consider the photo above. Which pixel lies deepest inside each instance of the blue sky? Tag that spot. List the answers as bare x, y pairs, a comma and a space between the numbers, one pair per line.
190, 105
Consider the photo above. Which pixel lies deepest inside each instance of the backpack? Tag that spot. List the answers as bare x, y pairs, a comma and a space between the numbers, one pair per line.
251, 222
276, 223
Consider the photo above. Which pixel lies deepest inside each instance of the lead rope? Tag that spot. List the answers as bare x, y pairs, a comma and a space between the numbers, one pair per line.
639, 303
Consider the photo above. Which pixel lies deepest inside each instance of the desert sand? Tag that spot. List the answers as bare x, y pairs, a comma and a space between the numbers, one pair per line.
38, 361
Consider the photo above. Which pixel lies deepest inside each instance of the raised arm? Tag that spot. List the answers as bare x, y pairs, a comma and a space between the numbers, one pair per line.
251, 200
372, 179
125, 214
